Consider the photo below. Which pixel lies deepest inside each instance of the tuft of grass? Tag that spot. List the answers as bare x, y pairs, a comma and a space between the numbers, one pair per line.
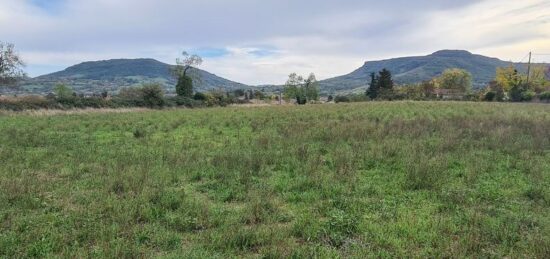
139, 133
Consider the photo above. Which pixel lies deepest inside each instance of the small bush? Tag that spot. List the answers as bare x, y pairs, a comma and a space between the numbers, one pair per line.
148, 95
199, 96
341, 99
152, 95
26, 103
217, 98
527, 96
180, 101
545, 96
490, 96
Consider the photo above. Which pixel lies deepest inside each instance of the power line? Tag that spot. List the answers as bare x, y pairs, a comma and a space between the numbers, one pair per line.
524, 58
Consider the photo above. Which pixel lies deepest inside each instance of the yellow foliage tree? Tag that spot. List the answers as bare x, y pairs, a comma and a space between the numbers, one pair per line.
508, 77
456, 79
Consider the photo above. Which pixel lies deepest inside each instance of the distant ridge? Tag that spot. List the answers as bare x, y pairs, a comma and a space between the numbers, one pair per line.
113, 74
420, 68
112, 69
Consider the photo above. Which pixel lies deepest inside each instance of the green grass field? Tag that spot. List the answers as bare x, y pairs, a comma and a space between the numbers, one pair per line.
401, 179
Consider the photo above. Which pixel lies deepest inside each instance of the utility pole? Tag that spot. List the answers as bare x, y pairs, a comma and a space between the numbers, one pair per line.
529, 67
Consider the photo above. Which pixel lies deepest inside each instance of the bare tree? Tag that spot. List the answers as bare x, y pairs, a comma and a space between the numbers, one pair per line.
186, 62
10, 64
184, 85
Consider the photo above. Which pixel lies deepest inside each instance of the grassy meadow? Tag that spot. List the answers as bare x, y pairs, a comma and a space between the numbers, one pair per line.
379, 179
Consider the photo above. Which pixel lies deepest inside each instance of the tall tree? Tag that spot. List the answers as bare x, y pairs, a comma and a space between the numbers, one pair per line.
184, 86
372, 91
428, 88
63, 91
293, 88
456, 79
508, 77
385, 80
303, 90
311, 88
385, 84
538, 78
11, 65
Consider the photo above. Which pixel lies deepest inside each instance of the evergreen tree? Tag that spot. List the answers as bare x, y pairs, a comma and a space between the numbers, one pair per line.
372, 91
385, 84
385, 81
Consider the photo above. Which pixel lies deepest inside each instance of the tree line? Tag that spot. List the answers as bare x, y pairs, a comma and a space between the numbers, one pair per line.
147, 95
509, 84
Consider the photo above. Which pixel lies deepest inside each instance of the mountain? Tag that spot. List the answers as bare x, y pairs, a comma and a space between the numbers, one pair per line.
417, 69
111, 75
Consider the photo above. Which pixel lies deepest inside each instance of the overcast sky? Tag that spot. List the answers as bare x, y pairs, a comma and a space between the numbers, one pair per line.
262, 41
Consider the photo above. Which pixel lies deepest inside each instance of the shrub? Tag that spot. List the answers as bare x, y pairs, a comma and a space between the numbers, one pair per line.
527, 96
63, 92
129, 96
199, 96
473, 97
52, 102
30, 102
341, 99
149, 95
217, 98
153, 95
490, 96
545, 96
95, 102
183, 101
520, 93
358, 98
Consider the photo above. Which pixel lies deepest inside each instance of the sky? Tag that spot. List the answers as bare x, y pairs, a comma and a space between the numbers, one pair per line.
263, 41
